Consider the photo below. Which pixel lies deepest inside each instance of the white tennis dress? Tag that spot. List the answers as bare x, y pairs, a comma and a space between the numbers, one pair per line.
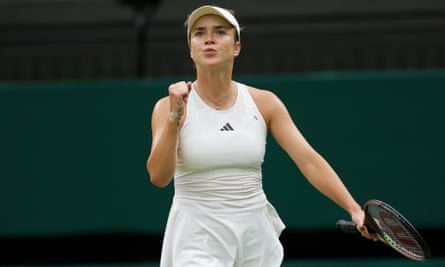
220, 216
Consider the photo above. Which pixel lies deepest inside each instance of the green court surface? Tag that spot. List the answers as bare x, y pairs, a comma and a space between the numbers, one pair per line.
364, 262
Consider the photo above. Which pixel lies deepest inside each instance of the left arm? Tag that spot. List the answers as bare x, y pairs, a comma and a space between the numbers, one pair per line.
312, 165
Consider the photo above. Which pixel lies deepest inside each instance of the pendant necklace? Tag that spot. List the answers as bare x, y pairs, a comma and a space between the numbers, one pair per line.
218, 104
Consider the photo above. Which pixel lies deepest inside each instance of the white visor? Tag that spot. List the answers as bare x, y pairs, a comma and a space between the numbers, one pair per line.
212, 10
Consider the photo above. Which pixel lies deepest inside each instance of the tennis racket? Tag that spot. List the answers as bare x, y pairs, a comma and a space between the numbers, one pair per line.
391, 228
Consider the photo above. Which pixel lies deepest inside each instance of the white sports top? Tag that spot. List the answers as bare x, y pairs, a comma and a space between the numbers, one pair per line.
220, 154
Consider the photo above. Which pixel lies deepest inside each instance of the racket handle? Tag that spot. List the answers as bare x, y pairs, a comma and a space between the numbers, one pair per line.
347, 227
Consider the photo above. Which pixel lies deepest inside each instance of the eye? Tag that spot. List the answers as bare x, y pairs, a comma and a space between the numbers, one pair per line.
221, 32
198, 33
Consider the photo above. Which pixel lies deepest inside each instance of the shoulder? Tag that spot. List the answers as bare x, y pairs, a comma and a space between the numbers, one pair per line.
267, 102
161, 104
160, 108
261, 96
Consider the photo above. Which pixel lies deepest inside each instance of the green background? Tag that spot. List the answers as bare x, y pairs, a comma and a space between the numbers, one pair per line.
73, 153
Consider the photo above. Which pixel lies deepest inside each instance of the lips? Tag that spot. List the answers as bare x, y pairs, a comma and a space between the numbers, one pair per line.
209, 51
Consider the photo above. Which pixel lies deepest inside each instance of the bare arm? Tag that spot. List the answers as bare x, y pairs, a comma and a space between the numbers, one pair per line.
167, 117
312, 165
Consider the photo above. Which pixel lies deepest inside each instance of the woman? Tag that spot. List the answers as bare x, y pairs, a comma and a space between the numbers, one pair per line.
210, 135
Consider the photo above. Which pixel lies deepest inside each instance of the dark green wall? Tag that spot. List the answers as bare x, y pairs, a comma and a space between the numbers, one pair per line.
73, 153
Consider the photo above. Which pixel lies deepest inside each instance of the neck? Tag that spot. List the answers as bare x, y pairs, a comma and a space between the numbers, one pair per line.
214, 84
216, 90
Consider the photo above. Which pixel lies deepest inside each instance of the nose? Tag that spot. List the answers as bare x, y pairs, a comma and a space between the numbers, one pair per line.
209, 38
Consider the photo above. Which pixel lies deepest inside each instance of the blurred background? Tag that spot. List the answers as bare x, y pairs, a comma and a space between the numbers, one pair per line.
364, 80
106, 39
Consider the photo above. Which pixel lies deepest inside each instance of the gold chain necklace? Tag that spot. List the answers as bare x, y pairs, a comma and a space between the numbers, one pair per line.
218, 104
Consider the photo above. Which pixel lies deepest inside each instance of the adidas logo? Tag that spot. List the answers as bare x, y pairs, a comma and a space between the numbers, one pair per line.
227, 127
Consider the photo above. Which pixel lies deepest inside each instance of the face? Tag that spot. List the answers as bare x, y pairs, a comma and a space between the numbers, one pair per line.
212, 42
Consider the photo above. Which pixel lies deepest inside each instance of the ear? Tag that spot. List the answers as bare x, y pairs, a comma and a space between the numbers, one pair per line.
237, 49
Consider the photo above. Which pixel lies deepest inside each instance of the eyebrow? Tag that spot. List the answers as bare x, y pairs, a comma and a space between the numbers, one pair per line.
218, 27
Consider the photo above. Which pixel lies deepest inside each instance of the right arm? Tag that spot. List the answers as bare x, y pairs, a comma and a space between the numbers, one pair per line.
161, 163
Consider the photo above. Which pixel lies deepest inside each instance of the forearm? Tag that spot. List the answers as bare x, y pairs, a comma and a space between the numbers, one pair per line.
321, 175
161, 163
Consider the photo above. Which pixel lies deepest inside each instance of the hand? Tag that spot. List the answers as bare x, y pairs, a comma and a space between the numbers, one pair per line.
359, 219
178, 95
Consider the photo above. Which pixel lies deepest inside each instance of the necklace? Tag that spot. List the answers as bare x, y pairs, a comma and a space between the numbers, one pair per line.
218, 103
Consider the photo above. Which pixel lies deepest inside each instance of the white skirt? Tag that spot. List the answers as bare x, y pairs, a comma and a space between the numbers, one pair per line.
199, 236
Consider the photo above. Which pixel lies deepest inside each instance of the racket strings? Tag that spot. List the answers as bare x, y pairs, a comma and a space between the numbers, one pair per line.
396, 232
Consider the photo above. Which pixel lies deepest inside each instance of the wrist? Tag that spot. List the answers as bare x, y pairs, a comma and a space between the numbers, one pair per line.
174, 117
355, 208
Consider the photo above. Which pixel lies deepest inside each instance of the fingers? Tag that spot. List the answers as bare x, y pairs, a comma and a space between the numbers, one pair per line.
178, 94
366, 234
359, 220
189, 86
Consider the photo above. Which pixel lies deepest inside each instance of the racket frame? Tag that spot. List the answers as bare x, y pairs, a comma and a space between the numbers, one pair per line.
374, 228
385, 238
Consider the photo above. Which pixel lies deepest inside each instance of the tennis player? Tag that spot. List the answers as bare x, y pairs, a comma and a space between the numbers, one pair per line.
210, 135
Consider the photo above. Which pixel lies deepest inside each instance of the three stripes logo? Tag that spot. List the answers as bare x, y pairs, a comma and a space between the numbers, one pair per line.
227, 127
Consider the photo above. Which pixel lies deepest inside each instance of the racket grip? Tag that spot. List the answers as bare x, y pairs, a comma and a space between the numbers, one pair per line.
347, 227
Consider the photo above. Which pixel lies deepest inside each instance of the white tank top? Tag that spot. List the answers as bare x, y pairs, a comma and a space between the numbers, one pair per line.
220, 153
